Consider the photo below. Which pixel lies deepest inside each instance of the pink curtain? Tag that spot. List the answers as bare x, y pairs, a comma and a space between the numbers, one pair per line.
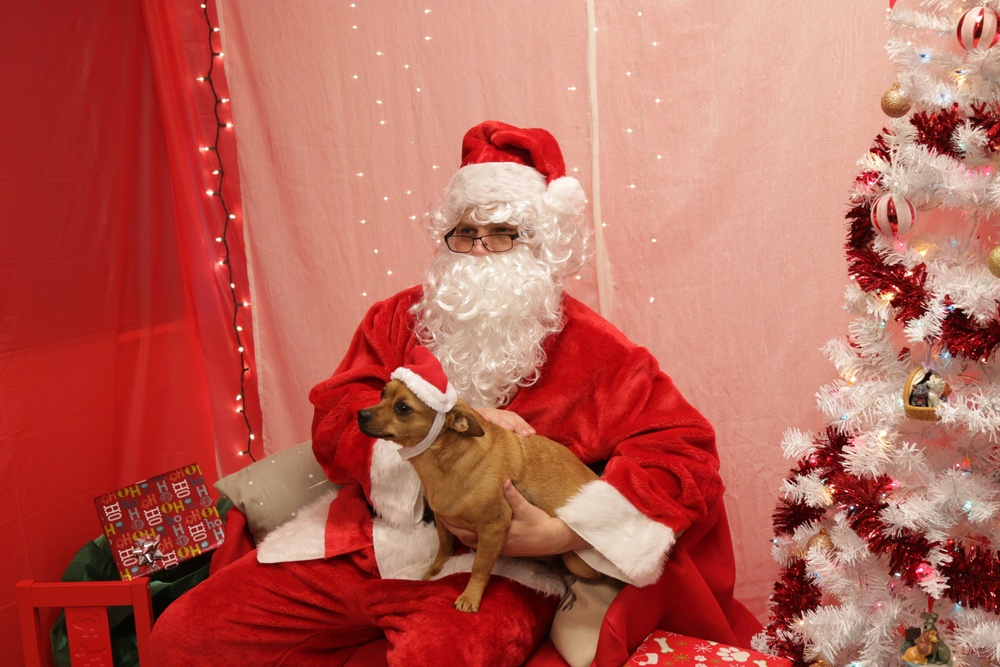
117, 359
717, 143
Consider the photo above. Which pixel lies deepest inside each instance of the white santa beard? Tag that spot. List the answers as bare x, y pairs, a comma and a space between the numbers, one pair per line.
486, 318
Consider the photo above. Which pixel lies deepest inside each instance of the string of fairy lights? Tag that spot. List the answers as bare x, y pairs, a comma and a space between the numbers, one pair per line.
217, 194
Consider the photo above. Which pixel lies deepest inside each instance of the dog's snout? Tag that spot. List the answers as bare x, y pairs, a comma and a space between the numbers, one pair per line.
364, 416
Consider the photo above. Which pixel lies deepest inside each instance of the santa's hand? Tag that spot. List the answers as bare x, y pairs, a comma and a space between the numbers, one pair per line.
506, 419
532, 531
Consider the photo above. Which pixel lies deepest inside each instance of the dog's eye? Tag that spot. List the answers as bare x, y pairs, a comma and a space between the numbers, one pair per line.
382, 395
403, 409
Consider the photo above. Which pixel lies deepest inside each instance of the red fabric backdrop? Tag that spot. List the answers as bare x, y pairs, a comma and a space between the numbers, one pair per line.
117, 357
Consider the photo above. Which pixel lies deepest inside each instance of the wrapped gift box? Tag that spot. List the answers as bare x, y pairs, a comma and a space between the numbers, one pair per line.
668, 648
158, 523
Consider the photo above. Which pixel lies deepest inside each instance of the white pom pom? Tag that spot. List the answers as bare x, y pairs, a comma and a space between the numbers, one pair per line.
564, 196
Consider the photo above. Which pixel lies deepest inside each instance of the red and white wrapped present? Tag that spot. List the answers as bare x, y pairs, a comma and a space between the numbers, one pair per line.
160, 522
669, 648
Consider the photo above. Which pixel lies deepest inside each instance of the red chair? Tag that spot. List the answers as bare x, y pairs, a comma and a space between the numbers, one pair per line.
85, 604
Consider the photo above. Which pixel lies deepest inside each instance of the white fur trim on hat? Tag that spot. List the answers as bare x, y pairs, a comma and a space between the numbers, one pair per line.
425, 391
635, 544
481, 184
565, 196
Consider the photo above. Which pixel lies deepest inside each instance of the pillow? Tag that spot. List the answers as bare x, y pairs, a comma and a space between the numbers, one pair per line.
271, 491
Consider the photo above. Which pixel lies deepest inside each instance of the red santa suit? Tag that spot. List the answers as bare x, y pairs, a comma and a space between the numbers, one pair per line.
655, 518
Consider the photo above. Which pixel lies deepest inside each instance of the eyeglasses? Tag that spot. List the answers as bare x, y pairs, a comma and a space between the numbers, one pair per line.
492, 242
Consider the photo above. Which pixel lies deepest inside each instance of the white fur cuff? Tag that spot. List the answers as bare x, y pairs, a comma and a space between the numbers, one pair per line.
634, 544
524, 571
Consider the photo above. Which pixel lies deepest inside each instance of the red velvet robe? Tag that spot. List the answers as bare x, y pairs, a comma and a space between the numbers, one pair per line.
656, 517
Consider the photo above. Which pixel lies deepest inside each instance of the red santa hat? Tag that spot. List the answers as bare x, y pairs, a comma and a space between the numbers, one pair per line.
501, 162
426, 378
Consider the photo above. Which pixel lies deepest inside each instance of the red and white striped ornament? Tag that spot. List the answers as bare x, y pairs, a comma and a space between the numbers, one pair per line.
893, 215
978, 28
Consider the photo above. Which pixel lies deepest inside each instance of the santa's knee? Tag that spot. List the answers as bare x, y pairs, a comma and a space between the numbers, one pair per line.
179, 636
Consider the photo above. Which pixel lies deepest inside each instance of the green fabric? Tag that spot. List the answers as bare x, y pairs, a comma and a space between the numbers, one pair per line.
93, 562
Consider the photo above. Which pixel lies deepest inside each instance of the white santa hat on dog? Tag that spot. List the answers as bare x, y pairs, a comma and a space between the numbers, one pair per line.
427, 380
501, 162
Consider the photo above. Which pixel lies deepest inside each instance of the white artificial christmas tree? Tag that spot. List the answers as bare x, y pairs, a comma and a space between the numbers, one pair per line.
888, 527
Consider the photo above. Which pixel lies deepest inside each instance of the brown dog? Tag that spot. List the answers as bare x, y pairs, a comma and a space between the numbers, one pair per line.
463, 474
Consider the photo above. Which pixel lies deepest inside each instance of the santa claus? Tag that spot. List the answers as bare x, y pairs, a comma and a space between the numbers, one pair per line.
493, 310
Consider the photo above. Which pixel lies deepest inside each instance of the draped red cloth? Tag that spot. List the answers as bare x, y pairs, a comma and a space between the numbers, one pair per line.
117, 354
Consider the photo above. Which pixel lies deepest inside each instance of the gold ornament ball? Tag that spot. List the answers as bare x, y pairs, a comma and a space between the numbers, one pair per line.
821, 541
894, 104
819, 663
994, 262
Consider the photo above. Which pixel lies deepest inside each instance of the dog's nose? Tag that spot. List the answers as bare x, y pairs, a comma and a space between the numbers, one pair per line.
364, 416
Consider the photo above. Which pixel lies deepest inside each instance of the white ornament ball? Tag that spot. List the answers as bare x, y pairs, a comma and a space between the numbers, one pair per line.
978, 28
893, 215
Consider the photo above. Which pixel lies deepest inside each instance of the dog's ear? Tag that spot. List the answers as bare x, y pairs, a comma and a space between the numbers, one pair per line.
463, 419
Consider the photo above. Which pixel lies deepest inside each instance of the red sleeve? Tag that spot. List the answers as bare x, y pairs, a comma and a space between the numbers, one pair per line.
380, 345
606, 398
662, 456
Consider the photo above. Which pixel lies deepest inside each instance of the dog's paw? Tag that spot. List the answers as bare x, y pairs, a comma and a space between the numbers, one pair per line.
467, 603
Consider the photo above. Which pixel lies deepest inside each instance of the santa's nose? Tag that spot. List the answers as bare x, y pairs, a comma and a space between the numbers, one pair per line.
478, 248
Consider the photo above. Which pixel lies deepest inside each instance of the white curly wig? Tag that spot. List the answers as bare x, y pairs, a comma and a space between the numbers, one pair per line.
487, 318
549, 219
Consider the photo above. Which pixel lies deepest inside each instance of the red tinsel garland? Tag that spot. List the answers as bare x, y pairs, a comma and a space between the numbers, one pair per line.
902, 286
935, 130
973, 577
794, 594
974, 573
909, 297
964, 337
986, 117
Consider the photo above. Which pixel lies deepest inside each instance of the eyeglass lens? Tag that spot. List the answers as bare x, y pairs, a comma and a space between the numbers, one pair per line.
492, 242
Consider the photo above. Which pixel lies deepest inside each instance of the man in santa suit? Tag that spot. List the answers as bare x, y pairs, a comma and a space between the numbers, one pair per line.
531, 358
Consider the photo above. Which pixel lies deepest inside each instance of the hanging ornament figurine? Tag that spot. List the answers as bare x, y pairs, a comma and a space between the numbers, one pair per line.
977, 29
894, 103
892, 215
923, 392
924, 645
